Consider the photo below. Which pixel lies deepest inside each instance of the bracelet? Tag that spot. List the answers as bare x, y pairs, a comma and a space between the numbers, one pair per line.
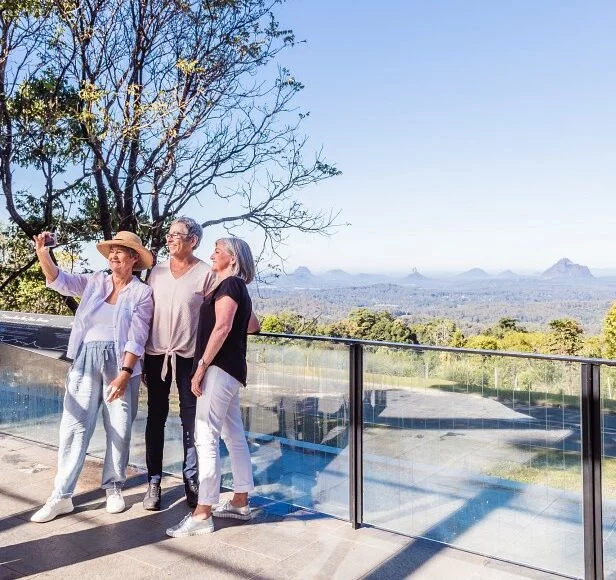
127, 369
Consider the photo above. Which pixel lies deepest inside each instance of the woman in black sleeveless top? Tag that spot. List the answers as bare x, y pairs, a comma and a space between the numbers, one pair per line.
218, 373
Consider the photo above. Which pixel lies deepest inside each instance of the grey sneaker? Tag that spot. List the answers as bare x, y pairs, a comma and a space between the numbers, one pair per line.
115, 501
151, 500
227, 510
54, 506
190, 526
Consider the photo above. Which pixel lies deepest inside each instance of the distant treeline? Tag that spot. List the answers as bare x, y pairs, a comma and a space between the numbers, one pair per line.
561, 336
385, 321
473, 306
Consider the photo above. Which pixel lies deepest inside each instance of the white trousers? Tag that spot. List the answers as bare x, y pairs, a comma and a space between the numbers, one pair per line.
218, 415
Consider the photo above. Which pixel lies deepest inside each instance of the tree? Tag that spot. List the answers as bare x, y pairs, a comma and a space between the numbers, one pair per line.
521, 341
482, 342
503, 326
39, 138
457, 340
179, 104
149, 108
593, 347
609, 332
21, 24
565, 337
373, 325
438, 332
28, 293
288, 323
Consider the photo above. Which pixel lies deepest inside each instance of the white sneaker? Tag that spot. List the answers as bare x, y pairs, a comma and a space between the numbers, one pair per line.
190, 526
115, 501
54, 506
227, 510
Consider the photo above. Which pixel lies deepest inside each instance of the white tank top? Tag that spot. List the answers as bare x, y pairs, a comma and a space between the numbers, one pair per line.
100, 327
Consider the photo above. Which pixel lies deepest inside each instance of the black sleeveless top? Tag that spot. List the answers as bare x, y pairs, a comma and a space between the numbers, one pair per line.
231, 357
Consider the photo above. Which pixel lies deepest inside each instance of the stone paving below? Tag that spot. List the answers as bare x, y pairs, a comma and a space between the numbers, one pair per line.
280, 542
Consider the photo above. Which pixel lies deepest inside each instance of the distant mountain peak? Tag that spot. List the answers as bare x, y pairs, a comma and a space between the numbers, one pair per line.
302, 271
507, 274
564, 262
565, 268
337, 272
415, 275
474, 274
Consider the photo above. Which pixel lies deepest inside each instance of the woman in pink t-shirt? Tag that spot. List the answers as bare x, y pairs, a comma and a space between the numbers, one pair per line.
178, 287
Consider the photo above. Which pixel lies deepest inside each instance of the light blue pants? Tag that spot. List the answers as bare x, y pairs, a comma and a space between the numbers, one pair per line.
86, 385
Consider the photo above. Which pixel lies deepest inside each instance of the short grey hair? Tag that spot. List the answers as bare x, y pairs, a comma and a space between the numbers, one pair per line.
244, 266
194, 228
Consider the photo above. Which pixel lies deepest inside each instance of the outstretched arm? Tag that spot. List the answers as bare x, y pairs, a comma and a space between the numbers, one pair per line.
58, 280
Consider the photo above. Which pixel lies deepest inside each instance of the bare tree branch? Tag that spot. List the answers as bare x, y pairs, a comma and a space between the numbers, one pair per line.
178, 104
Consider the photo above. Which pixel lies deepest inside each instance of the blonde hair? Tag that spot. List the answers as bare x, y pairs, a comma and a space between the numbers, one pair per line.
244, 266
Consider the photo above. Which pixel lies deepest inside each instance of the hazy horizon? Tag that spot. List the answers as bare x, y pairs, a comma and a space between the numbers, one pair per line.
96, 261
446, 272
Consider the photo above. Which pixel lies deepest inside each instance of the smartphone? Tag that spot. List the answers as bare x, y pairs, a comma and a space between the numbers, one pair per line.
51, 240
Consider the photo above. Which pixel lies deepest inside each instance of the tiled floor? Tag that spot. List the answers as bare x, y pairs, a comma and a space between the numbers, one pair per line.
280, 541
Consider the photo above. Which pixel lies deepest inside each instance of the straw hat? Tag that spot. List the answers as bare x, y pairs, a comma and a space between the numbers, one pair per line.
128, 240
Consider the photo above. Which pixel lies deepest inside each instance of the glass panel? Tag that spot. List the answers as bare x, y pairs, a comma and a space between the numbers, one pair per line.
31, 397
479, 452
296, 413
608, 469
31, 391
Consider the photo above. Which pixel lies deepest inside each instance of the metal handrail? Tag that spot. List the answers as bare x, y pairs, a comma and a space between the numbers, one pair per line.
429, 347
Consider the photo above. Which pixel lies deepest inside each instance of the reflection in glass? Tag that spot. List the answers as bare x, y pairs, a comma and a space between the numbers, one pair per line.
608, 468
478, 452
481, 452
296, 412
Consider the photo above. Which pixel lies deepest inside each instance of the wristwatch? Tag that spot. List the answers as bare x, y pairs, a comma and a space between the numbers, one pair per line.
200, 363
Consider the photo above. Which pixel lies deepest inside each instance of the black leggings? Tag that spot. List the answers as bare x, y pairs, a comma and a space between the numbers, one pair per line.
158, 410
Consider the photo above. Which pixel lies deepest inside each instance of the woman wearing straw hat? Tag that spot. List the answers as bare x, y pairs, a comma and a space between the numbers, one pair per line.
106, 344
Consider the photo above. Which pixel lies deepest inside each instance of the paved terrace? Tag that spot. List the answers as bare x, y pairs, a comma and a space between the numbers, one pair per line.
280, 542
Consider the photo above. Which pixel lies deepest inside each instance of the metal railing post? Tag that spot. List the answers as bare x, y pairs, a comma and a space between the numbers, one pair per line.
591, 471
356, 424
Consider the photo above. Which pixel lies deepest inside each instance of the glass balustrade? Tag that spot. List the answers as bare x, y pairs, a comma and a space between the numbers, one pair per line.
608, 468
296, 414
478, 451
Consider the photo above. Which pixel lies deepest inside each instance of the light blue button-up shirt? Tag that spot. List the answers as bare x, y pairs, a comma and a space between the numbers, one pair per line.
132, 316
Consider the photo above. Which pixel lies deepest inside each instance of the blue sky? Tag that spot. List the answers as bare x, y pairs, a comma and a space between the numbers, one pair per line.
470, 133
475, 133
